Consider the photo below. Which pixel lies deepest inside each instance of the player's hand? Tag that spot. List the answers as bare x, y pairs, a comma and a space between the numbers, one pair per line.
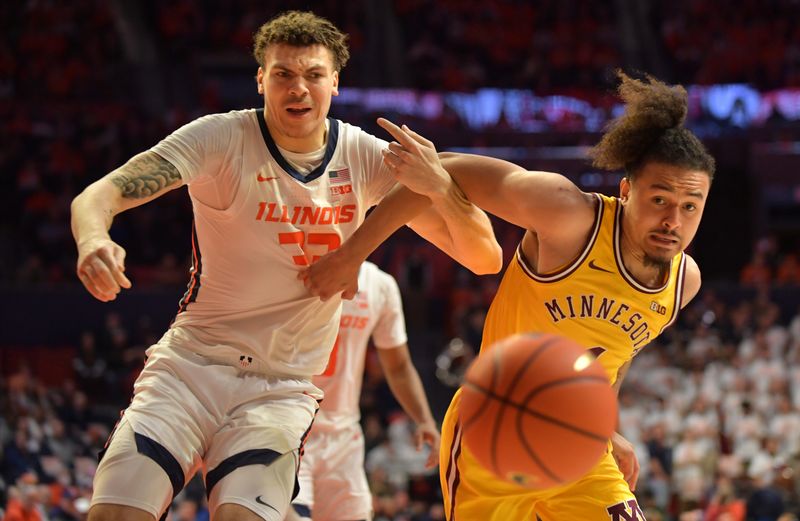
428, 434
332, 273
101, 268
414, 162
625, 455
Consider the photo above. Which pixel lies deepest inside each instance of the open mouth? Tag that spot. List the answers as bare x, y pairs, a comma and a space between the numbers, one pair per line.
664, 240
298, 111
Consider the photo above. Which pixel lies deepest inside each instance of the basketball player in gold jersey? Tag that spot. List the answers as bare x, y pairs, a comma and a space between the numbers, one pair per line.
608, 272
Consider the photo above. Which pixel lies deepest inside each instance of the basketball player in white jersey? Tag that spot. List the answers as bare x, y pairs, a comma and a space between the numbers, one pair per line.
333, 485
227, 390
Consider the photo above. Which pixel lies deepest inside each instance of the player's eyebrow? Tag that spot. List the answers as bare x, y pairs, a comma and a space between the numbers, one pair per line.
693, 193
666, 188
286, 67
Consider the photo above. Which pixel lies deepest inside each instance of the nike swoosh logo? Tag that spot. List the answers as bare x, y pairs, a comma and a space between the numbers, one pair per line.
598, 268
260, 502
261, 179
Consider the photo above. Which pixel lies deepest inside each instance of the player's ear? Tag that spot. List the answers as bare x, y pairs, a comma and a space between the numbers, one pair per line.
624, 188
259, 78
335, 90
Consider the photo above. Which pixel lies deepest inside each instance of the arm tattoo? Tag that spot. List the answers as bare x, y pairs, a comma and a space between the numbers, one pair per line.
145, 175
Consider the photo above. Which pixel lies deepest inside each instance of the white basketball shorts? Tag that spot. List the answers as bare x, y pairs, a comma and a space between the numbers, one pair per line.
190, 413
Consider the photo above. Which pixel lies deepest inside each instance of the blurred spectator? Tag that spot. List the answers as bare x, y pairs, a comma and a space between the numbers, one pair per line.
765, 502
724, 505
89, 367
788, 271
757, 272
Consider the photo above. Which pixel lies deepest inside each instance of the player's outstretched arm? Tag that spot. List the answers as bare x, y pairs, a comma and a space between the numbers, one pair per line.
453, 223
101, 261
404, 381
546, 203
533, 200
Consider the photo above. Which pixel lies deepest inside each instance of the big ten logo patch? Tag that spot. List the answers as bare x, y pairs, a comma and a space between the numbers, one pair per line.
353, 321
658, 308
626, 511
341, 190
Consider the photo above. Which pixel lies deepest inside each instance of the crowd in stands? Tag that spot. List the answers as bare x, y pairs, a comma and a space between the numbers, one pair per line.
543, 46
756, 43
67, 117
771, 264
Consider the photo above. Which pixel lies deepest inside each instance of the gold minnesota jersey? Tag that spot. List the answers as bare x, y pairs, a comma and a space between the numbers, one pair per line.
597, 303
593, 300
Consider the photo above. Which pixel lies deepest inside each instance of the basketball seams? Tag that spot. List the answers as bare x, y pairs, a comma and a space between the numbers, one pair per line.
529, 449
541, 348
544, 417
493, 382
555, 421
536, 390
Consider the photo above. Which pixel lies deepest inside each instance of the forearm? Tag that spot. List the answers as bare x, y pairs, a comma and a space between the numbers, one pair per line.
407, 387
480, 178
468, 232
93, 211
397, 208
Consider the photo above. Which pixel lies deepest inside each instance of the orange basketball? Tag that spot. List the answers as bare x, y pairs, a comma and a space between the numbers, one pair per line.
537, 410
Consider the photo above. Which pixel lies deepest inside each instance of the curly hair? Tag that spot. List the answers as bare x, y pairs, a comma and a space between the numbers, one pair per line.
301, 29
651, 130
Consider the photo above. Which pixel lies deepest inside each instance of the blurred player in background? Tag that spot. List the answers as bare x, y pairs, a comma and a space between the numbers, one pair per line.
228, 387
608, 272
333, 485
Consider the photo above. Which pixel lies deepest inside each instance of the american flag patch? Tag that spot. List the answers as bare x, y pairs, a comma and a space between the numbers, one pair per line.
339, 176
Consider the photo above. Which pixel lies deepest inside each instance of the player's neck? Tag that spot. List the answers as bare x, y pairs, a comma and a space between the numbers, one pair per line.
301, 145
298, 144
646, 272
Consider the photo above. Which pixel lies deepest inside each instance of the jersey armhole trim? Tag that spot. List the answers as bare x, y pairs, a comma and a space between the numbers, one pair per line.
567, 270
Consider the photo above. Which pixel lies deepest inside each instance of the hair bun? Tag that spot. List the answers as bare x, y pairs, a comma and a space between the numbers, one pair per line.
653, 112
654, 104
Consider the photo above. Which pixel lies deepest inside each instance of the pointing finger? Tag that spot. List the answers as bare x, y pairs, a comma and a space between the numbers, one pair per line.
419, 139
398, 133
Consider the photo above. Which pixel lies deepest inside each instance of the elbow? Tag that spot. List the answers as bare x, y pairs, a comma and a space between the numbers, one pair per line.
77, 203
489, 263
100, 193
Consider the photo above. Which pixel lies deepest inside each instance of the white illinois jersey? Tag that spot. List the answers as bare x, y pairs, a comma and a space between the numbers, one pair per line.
375, 311
257, 223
